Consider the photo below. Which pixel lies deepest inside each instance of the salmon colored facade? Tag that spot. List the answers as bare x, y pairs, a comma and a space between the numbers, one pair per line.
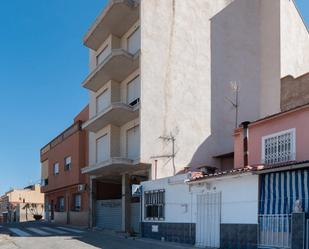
295, 120
65, 188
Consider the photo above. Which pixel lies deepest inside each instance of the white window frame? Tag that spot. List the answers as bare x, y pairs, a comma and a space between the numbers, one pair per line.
56, 172
67, 163
293, 143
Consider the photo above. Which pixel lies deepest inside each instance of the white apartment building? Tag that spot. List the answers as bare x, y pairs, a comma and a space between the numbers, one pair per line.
160, 88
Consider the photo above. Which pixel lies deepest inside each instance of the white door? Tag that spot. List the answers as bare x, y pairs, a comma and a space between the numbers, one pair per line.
133, 91
208, 220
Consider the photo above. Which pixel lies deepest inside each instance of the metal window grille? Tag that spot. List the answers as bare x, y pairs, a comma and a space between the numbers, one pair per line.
154, 204
279, 148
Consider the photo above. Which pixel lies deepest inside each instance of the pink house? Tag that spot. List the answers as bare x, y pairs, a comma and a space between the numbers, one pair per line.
274, 140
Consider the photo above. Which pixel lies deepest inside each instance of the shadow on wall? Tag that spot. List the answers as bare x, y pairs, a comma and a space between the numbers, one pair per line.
234, 58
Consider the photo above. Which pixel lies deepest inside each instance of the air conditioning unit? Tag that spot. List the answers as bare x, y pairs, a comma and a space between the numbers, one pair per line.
81, 187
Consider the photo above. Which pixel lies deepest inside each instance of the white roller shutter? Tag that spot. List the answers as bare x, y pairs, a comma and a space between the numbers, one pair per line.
133, 143
102, 149
134, 91
108, 214
134, 41
102, 101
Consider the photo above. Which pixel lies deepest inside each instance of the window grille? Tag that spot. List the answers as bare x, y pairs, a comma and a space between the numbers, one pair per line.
279, 148
154, 204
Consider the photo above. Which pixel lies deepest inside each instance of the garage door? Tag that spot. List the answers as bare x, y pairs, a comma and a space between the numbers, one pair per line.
108, 214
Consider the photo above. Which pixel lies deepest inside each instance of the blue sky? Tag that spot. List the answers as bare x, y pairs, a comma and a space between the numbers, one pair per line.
42, 65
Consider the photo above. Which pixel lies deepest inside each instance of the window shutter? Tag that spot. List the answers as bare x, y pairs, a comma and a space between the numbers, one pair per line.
133, 90
134, 41
102, 101
102, 149
133, 143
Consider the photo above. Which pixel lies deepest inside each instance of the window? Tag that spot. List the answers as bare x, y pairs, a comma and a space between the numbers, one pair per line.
102, 55
67, 163
133, 143
154, 204
133, 91
279, 147
44, 182
102, 101
56, 169
102, 149
60, 204
134, 41
77, 202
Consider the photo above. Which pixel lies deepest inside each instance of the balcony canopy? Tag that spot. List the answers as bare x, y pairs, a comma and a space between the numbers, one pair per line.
117, 66
117, 18
117, 114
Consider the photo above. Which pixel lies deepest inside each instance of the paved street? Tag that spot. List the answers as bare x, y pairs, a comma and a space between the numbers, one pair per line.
42, 235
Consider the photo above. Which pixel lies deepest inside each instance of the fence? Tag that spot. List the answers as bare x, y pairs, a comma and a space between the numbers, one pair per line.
275, 231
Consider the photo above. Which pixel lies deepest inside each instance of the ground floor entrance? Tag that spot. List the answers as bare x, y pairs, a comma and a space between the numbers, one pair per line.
114, 205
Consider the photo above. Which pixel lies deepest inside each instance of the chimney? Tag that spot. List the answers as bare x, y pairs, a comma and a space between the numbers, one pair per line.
245, 126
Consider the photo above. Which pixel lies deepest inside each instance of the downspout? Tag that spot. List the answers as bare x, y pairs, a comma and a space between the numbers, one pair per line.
245, 126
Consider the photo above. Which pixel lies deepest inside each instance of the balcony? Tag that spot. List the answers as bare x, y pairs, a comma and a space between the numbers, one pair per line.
117, 17
115, 166
116, 114
117, 66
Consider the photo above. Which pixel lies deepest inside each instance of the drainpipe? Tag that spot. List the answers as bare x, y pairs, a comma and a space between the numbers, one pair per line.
245, 126
156, 169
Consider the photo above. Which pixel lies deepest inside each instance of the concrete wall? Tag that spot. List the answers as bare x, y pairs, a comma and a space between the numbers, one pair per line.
185, 92
239, 198
294, 91
294, 41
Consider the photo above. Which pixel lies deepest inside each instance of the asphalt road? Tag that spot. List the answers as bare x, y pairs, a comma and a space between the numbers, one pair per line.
50, 236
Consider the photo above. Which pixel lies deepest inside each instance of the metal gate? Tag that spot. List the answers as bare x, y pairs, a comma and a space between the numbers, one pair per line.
275, 231
208, 220
108, 214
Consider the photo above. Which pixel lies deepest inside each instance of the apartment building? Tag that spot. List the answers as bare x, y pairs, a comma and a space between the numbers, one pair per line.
65, 188
161, 97
13, 202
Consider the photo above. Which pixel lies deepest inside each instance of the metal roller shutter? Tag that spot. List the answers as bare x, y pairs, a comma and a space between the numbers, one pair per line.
108, 214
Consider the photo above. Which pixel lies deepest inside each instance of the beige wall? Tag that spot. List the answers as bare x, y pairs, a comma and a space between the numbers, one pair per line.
190, 53
294, 41
30, 196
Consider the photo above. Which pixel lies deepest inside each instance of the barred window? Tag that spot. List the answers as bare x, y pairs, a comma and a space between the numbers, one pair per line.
279, 147
154, 204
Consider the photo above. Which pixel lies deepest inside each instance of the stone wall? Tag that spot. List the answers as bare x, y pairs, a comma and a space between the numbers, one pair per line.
294, 91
